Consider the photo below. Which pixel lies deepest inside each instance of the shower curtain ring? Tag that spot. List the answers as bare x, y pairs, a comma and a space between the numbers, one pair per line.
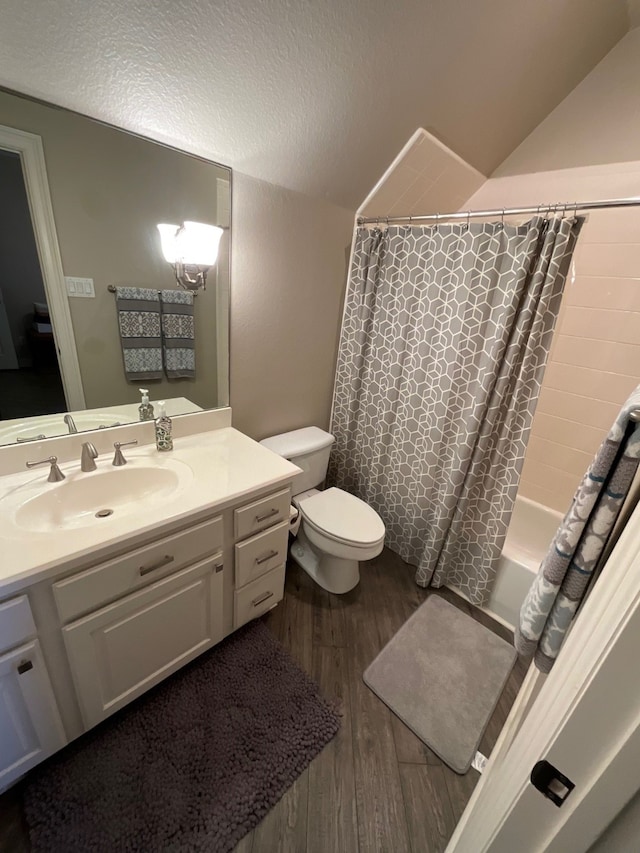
502, 218
468, 219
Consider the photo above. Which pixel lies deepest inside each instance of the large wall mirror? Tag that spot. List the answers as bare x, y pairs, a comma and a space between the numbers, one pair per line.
90, 309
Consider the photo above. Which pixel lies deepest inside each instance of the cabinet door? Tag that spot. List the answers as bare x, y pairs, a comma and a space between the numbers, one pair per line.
120, 651
30, 727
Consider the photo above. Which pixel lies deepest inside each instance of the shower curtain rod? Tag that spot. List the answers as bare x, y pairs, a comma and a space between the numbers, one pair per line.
505, 211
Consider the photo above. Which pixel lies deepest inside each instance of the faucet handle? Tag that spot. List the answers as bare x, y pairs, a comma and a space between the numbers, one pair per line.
55, 474
118, 458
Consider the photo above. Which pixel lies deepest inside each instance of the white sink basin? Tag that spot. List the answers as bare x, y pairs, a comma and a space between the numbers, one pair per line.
88, 499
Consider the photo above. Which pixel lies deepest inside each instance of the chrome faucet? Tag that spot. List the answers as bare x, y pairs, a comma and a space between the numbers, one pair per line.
89, 455
71, 426
55, 474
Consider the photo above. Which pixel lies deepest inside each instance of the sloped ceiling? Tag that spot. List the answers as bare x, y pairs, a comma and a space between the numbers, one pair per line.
315, 96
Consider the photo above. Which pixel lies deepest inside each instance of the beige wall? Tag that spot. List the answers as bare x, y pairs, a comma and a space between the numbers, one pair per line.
595, 357
289, 270
599, 122
109, 190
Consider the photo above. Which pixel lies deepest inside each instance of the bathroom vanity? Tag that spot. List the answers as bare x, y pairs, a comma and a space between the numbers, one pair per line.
97, 608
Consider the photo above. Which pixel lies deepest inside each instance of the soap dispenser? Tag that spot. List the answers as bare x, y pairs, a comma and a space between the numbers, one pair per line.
145, 408
163, 428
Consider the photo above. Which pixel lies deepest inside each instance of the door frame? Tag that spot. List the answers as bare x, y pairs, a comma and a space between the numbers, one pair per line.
544, 708
29, 147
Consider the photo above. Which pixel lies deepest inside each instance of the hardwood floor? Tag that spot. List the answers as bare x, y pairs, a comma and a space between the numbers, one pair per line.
376, 786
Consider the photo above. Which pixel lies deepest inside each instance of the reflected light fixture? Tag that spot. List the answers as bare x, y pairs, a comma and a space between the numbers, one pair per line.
192, 249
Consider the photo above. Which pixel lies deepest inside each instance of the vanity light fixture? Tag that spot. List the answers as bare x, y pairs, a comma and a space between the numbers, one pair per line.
192, 249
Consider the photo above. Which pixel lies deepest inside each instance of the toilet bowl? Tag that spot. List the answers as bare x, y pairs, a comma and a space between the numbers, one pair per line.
337, 530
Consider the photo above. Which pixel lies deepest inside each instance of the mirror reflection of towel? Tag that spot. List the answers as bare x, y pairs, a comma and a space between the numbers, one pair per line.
178, 334
140, 334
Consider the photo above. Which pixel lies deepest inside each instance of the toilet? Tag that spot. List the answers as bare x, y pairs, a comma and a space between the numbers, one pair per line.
337, 530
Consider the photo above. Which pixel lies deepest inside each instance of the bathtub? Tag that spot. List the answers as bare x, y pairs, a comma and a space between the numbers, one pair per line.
531, 530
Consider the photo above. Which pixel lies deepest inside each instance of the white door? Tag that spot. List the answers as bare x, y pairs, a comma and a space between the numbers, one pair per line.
8, 359
585, 721
30, 727
120, 651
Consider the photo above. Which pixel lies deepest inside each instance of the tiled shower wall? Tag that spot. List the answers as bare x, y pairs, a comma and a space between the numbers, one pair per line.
595, 357
428, 177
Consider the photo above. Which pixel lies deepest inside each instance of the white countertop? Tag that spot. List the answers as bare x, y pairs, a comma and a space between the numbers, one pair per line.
226, 466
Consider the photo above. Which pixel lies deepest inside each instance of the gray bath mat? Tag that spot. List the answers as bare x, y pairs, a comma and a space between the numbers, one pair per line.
443, 674
191, 766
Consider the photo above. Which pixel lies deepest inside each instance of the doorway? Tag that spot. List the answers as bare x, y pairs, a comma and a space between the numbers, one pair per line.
37, 332
30, 378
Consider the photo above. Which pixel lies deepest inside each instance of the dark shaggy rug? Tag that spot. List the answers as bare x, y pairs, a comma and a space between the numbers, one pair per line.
193, 765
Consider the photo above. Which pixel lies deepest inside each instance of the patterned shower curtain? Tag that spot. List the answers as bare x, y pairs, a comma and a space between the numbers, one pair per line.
444, 342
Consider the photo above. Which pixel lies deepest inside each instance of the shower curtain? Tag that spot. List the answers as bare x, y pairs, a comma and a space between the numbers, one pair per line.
444, 342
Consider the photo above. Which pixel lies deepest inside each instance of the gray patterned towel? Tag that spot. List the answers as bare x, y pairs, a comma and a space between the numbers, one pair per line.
178, 334
564, 575
139, 321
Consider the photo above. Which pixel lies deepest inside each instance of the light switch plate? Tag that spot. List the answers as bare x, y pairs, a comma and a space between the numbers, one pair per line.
80, 286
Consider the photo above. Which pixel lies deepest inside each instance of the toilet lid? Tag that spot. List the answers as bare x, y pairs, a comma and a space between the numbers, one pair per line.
343, 516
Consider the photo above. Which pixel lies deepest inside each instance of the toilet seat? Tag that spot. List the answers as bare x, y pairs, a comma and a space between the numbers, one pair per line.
343, 518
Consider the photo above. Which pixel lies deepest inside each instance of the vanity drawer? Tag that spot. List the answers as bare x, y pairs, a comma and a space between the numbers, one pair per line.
256, 598
261, 553
254, 517
96, 586
16, 622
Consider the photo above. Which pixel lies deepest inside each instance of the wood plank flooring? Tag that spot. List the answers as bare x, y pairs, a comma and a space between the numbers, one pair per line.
376, 786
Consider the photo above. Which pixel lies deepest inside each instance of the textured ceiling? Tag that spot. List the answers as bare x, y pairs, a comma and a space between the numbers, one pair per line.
314, 96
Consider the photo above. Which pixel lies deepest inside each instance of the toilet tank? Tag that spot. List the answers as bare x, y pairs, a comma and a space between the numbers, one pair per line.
309, 449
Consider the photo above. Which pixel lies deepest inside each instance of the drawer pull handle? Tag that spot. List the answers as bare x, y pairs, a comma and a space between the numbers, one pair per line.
266, 557
25, 666
267, 515
164, 561
264, 597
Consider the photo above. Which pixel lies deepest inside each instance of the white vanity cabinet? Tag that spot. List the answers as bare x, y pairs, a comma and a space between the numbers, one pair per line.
129, 622
120, 650
30, 726
114, 609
